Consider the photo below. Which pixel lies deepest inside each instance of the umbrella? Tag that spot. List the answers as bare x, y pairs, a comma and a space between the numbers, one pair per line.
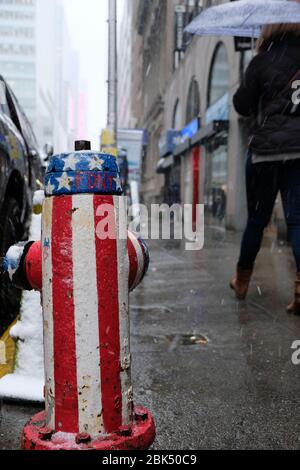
244, 17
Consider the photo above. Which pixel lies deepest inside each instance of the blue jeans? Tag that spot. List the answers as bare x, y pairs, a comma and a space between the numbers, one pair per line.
264, 181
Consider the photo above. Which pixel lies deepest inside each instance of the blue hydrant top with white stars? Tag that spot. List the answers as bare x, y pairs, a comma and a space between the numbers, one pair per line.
82, 172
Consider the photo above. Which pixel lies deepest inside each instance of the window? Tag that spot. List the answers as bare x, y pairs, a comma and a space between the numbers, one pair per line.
176, 120
17, 32
22, 122
219, 78
3, 99
17, 69
185, 12
193, 101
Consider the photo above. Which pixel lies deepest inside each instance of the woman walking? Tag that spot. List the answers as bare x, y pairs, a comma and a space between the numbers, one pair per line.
273, 165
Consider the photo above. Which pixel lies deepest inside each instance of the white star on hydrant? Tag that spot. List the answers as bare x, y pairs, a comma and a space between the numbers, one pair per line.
49, 188
65, 182
70, 162
96, 164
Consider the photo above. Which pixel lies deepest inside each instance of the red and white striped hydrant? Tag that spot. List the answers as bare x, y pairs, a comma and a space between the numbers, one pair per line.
84, 278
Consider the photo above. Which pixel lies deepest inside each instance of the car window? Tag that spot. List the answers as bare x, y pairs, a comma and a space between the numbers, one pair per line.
27, 129
23, 123
4, 106
10, 108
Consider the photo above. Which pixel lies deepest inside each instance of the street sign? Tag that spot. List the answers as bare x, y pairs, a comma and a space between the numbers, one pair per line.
168, 141
243, 44
190, 129
133, 141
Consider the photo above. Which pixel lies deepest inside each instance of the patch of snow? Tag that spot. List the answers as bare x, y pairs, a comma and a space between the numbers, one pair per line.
61, 437
18, 387
35, 228
27, 381
15, 252
38, 198
29, 334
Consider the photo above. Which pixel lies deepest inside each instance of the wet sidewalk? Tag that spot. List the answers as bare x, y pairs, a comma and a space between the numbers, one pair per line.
216, 373
240, 390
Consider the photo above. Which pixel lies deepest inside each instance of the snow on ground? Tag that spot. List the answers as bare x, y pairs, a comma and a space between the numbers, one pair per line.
35, 228
22, 388
27, 381
28, 333
39, 197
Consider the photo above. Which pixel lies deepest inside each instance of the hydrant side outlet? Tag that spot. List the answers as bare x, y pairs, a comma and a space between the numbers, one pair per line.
33, 264
28, 276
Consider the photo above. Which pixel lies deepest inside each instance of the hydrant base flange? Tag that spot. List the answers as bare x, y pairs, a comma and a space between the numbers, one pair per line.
140, 436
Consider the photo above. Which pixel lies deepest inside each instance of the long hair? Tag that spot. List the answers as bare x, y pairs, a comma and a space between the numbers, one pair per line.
271, 31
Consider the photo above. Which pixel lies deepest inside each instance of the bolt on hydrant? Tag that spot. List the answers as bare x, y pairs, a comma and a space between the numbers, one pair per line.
84, 279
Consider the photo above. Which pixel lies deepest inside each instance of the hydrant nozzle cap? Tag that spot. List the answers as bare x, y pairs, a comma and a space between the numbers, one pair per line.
81, 145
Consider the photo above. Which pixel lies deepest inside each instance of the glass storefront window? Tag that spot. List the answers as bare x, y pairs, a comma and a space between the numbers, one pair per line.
219, 166
216, 173
216, 182
193, 101
219, 80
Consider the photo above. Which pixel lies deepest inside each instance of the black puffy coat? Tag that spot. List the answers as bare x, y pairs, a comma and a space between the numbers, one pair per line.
277, 128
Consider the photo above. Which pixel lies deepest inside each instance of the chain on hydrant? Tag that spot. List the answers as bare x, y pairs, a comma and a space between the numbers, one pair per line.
84, 278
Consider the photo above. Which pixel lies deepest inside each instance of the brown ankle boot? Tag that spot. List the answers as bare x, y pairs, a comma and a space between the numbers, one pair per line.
240, 283
294, 307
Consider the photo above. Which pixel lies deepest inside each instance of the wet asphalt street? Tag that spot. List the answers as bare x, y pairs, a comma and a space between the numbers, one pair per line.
216, 373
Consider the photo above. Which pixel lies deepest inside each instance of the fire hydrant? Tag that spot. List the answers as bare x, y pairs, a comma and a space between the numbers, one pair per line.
84, 278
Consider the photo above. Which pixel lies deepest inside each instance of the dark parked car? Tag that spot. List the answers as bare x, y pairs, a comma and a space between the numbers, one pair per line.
20, 171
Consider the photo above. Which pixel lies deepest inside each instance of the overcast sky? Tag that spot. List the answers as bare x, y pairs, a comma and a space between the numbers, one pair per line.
87, 21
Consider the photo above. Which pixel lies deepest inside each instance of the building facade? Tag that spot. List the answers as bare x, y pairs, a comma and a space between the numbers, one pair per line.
37, 60
154, 25
18, 50
182, 94
125, 46
208, 165
59, 99
130, 67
